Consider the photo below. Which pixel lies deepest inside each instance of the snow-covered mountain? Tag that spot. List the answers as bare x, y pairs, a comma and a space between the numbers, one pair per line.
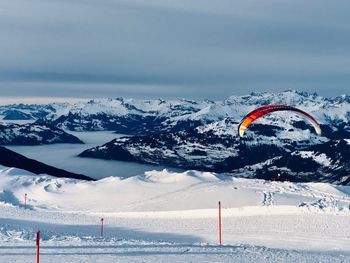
203, 134
207, 140
130, 116
96, 114
127, 116
20, 125
209, 148
26, 111
33, 134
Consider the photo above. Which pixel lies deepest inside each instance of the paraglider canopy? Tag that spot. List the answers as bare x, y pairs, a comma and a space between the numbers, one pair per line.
261, 111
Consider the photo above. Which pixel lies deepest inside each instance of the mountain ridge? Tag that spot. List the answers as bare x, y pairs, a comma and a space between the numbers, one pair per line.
12, 159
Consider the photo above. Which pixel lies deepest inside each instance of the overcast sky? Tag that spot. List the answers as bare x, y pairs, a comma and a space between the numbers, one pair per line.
172, 48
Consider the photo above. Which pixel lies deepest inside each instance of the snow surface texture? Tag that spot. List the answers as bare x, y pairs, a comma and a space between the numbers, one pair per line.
172, 217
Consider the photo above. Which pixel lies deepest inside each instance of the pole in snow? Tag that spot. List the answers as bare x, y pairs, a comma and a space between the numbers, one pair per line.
220, 229
25, 201
37, 246
101, 227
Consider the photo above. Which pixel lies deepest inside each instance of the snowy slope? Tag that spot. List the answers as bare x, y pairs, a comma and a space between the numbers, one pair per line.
161, 216
157, 191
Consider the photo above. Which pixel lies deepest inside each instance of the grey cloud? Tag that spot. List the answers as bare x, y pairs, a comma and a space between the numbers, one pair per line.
172, 48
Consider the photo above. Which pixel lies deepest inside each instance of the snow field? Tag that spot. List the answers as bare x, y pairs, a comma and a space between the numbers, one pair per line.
162, 216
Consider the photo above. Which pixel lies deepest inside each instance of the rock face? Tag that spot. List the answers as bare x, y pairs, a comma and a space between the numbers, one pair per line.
12, 159
33, 134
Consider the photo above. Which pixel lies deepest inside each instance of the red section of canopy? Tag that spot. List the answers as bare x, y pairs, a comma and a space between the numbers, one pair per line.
261, 111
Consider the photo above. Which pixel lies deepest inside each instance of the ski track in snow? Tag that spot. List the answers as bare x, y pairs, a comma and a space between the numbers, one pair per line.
167, 253
268, 198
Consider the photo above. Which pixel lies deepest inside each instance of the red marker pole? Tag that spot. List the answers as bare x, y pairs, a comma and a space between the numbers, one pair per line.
101, 227
220, 230
25, 201
37, 246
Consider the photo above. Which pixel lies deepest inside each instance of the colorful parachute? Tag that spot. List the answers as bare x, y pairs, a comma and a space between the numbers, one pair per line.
259, 112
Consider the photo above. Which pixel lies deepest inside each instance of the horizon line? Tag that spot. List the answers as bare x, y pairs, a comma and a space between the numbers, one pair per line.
8, 100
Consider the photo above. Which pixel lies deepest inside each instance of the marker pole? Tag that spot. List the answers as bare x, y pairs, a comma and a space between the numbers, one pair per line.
37, 246
101, 227
220, 228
